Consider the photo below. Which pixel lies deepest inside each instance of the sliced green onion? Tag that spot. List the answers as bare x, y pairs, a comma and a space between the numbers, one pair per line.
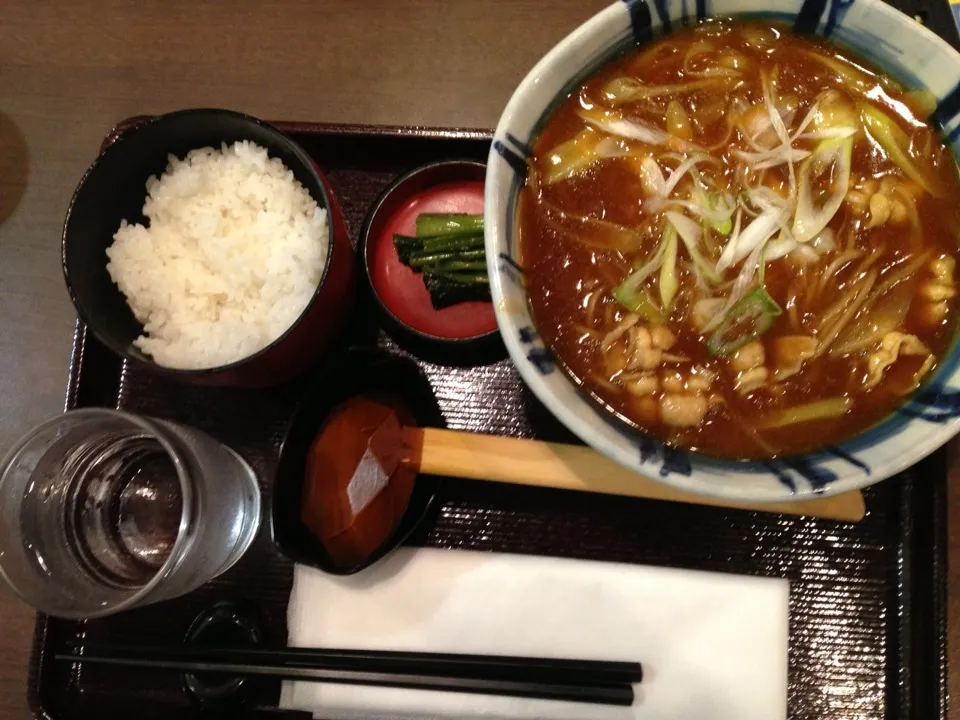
634, 297
833, 112
640, 303
852, 75
678, 121
724, 227
589, 232
753, 236
444, 223
573, 156
717, 207
668, 270
628, 89
817, 410
924, 101
652, 178
616, 123
750, 318
831, 160
690, 233
896, 144
634, 281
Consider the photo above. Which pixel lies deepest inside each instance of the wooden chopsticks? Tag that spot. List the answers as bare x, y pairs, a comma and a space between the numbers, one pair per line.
588, 681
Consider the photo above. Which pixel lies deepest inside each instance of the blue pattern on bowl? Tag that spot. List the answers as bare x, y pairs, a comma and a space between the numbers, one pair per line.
935, 405
671, 460
538, 355
818, 476
810, 12
513, 157
508, 266
947, 109
870, 28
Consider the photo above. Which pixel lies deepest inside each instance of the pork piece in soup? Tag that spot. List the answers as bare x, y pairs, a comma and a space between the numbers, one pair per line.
743, 241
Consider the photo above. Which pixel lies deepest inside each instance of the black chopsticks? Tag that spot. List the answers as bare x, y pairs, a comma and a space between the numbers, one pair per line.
588, 681
532, 669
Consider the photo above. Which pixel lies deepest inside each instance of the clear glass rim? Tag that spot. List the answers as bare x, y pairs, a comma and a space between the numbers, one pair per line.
183, 540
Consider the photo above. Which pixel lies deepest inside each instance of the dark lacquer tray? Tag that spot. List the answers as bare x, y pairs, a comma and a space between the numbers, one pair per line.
867, 600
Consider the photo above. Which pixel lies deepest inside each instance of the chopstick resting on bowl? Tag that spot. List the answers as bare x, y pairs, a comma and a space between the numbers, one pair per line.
589, 681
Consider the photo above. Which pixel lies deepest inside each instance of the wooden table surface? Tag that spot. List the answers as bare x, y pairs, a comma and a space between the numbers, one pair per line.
70, 70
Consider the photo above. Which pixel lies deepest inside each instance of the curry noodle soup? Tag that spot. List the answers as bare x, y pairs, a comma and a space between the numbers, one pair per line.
743, 241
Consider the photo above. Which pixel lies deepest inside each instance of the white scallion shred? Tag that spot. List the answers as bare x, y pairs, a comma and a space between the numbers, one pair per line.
754, 235
736, 221
615, 123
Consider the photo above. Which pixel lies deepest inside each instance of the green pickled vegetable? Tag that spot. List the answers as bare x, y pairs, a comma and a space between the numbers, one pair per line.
465, 277
443, 223
459, 240
446, 291
456, 266
748, 319
449, 251
407, 247
437, 243
419, 260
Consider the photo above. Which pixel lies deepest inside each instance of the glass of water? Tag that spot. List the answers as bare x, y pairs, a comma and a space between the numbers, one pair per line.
102, 511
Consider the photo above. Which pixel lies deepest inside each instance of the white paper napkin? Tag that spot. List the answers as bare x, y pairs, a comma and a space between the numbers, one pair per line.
713, 646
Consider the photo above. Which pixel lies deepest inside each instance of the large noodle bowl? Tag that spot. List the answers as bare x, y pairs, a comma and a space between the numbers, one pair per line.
743, 241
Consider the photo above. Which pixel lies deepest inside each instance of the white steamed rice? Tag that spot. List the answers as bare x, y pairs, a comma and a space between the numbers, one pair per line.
234, 251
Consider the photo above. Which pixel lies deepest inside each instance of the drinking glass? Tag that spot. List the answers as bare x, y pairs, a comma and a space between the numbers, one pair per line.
102, 510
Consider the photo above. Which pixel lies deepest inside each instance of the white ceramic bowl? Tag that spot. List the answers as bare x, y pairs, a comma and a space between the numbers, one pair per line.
870, 28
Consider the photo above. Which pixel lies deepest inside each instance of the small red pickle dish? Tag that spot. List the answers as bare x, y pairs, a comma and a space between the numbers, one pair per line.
400, 288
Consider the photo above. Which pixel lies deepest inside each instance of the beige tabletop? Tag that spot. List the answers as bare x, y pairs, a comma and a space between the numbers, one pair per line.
70, 70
